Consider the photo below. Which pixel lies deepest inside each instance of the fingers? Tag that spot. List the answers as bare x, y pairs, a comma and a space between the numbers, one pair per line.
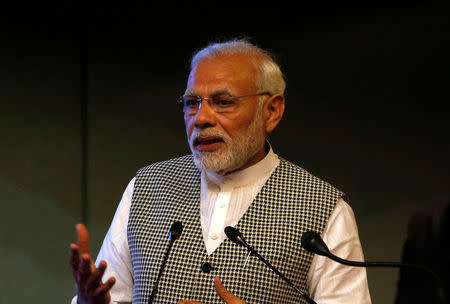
224, 294
221, 290
83, 238
84, 271
89, 281
95, 278
88, 277
101, 269
103, 289
74, 257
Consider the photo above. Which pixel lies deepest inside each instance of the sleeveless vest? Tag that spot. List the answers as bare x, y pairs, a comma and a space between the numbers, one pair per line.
291, 202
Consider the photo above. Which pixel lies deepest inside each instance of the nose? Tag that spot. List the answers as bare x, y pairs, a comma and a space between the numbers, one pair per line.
205, 116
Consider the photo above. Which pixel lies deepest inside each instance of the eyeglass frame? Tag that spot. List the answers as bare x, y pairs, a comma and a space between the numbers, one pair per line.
200, 100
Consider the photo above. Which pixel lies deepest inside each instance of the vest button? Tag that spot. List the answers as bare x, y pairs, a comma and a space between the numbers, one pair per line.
206, 267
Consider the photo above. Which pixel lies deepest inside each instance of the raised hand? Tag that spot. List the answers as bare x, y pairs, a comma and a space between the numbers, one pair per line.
223, 293
88, 277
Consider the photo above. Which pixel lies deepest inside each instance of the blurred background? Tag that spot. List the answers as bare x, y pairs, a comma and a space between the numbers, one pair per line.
88, 95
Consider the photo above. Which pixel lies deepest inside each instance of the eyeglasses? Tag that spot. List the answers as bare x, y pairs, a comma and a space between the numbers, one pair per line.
221, 103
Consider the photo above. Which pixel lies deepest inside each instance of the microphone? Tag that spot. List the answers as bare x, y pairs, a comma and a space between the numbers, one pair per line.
174, 234
236, 236
312, 242
175, 231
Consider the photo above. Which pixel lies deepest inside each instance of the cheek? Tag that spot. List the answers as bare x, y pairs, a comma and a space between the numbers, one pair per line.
234, 128
188, 125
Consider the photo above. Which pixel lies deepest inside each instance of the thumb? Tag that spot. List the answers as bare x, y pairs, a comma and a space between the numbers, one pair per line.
226, 295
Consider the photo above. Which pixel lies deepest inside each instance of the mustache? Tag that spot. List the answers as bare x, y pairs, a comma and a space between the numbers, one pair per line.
197, 134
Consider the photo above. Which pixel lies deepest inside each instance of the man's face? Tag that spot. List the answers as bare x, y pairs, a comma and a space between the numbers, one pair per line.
225, 142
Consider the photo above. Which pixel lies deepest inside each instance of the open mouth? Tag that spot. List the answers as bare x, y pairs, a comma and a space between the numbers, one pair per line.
208, 143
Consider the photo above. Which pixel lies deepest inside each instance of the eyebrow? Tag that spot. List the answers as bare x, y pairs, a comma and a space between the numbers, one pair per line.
222, 92
216, 93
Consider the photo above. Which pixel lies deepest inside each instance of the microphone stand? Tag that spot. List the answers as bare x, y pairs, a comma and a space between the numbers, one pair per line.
253, 251
236, 236
155, 289
312, 242
174, 234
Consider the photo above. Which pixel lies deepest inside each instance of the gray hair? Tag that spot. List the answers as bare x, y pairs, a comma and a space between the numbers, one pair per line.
270, 78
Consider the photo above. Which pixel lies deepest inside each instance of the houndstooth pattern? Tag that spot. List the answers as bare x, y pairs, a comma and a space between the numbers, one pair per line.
292, 201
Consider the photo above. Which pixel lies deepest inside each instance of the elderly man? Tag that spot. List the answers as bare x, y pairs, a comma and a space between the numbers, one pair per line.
234, 98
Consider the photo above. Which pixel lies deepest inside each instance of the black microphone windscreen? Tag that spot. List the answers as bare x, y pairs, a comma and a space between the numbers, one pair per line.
232, 233
312, 242
175, 231
236, 236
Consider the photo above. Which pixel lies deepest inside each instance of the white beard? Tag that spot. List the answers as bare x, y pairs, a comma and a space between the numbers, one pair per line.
238, 151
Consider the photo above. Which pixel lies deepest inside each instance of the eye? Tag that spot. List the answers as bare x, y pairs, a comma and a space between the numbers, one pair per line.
223, 102
191, 101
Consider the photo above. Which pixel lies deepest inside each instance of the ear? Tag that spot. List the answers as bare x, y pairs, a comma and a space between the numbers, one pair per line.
273, 110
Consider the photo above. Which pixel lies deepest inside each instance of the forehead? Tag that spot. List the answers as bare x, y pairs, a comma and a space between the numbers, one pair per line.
236, 74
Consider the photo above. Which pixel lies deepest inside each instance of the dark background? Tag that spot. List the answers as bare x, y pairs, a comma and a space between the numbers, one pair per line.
88, 96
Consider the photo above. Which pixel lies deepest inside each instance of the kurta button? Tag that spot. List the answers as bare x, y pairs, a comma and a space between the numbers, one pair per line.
206, 267
214, 236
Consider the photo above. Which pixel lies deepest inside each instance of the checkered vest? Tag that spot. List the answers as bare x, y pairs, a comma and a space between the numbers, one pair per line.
292, 201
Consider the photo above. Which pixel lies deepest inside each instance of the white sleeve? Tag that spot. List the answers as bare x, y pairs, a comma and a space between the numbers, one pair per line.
329, 281
115, 252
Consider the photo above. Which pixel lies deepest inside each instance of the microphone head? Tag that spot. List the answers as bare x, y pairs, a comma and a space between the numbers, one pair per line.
312, 242
236, 236
175, 231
